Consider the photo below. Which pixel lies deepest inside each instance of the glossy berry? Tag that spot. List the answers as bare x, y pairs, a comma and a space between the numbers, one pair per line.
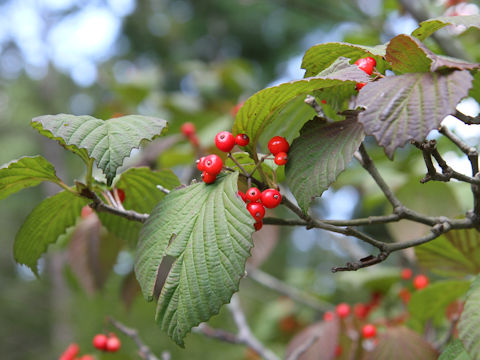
253, 194
278, 144
360, 85
113, 344
86, 212
281, 158
369, 331
70, 353
420, 282
187, 129
323, 102
100, 341
224, 141
406, 273
201, 164
242, 139
366, 64
361, 310
256, 210
258, 225
271, 198
208, 178
328, 316
120, 194
213, 164
342, 310
242, 195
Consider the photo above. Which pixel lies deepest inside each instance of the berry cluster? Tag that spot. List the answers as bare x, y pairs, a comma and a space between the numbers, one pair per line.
366, 64
71, 353
109, 343
211, 165
257, 201
279, 146
188, 130
419, 282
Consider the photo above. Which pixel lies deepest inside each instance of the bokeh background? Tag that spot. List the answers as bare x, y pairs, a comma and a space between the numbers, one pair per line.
186, 60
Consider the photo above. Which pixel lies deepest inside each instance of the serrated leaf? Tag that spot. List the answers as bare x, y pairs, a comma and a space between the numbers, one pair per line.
456, 253
50, 219
468, 329
432, 301
319, 155
207, 229
400, 343
141, 195
109, 142
428, 27
25, 172
455, 351
405, 107
407, 55
321, 56
262, 108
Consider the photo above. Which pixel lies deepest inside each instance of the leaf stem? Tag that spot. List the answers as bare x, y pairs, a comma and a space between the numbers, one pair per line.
88, 176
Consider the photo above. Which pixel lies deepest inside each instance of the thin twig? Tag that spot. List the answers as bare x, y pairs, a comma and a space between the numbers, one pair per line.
469, 120
218, 334
162, 189
244, 333
143, 349
310, 100
244, 172
283, 288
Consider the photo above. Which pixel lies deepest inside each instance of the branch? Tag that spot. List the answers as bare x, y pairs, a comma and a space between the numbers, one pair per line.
283, 288
217, 334
245, 335
100, 206
469, 120
143, 350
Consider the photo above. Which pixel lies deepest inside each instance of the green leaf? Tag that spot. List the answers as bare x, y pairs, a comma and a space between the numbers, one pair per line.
428, 27
268, 166
25, 172
50, 219
141, 195
456, 253
109, 142
468, 329
207, 229
400, 343
320, 57
262, 108
405, 107
319, 155
407, 55
455, 351
432, 301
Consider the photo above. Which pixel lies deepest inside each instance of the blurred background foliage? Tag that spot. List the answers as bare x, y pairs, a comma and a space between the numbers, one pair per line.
186, 60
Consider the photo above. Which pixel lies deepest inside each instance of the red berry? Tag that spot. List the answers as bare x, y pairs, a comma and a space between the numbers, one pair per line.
256, 210
338, 351
420, 282
369, 331
208, 178
278, 144
242, 195
100, 341
86, 212
271, 198
360, 85
323, 102
406, 273
87, 357
120, 194
343, 310
361, 310
242, 140
213, 164
258, 225
224, 141
253, 194
405, 295
113, 344
71, 352
328, 316
187, 129
201, 164
236, 108
366, 64
281, 158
